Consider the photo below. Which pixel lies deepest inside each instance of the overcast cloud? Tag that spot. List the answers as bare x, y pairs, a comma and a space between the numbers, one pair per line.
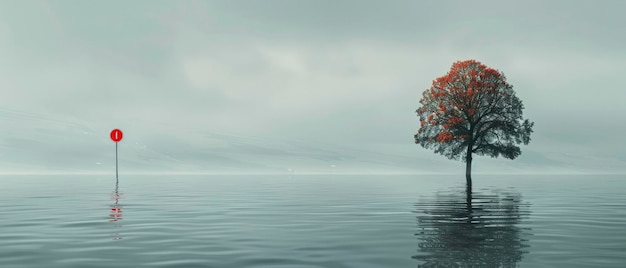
274, 85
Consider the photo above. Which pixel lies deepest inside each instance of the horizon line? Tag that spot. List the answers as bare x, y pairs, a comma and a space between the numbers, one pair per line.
144, 173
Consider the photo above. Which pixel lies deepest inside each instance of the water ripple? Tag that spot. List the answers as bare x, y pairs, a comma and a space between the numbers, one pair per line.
315, 221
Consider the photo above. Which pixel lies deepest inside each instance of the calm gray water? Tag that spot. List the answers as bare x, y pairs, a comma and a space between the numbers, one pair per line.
312, 221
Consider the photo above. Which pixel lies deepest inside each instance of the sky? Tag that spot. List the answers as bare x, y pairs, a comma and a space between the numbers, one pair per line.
298, 86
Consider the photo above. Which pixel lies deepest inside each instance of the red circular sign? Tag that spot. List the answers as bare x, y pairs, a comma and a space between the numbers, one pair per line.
116, 135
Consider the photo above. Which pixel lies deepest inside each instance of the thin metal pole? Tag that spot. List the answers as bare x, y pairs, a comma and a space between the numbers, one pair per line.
116, 161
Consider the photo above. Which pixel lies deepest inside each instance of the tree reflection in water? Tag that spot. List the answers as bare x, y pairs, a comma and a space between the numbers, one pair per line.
464, 229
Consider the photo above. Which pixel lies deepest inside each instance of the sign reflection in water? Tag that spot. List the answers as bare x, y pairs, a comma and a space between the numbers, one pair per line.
115, 214
472, 229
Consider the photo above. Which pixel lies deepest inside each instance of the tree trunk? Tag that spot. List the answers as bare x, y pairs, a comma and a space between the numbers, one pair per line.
468, 167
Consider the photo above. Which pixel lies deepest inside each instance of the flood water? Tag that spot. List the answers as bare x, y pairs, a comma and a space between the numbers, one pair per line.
313, 221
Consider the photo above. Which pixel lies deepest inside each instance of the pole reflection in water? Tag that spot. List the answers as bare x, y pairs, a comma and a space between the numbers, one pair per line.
115, 214
462, 228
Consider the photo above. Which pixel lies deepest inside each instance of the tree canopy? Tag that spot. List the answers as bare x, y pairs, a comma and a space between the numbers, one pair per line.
472, 110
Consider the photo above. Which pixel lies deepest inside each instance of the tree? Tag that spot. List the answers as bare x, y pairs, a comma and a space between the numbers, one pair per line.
472, 110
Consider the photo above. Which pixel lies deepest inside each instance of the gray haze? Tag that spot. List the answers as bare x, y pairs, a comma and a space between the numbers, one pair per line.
277, 86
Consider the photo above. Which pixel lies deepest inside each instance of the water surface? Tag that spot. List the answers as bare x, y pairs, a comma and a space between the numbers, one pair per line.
312, 221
